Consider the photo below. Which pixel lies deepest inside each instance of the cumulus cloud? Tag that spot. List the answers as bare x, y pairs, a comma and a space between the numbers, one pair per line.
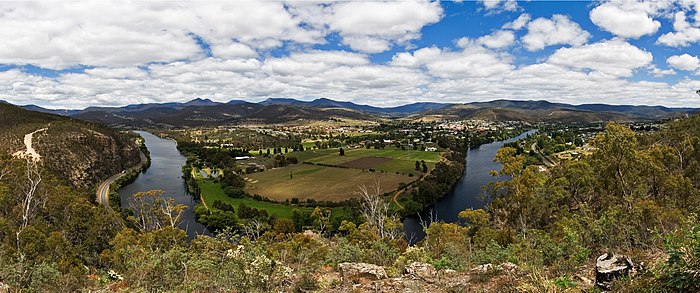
500, 5
559, 30
684, 35
99, 33
625, 19
498, 40
684, 62
657, 72
613, 57
518, 23
372, 27
150, 52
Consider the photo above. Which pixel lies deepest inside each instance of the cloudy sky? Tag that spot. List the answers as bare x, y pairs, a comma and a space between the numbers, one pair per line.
76, 54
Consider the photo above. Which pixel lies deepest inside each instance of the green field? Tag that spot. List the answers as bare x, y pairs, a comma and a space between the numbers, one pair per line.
212, 191
318, 182
401, 160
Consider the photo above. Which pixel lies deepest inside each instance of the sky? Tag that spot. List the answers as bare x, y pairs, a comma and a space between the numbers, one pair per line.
75, 54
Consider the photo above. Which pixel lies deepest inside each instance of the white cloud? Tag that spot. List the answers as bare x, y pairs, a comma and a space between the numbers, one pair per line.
559, 30
613, 57
498, 40
625, 20
684, 62
518, 23
99, 33
505, 5
685, 33
473, 61
657, 72
372, 27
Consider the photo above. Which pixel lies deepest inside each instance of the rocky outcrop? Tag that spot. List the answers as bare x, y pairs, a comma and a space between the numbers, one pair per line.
610, 266
422, 271
357, 272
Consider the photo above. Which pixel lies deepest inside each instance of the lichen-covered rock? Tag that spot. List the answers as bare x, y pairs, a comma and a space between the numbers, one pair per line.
421, 270
609, 267
357, 272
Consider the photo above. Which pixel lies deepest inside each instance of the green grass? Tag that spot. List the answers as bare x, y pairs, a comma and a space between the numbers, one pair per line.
318, 182
403, 160
212, 191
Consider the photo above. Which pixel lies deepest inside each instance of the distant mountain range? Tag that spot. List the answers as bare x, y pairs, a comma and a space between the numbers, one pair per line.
278, 110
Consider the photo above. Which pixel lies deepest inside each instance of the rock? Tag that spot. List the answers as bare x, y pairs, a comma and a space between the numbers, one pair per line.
421, 270
481, 269
358, 271
509, 267
609, 267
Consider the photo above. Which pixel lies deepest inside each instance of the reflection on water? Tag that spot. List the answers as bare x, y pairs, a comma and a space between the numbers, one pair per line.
165, 174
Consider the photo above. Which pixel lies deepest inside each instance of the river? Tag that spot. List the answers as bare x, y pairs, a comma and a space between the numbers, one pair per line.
466, 193
165, 173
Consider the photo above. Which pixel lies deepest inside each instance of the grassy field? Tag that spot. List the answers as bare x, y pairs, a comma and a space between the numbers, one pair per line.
318, 182
401, 160
212, 191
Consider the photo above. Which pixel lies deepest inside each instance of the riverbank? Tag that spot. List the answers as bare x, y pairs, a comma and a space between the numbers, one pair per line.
465, 193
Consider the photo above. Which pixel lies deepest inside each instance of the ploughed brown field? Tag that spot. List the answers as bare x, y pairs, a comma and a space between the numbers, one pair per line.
365, 163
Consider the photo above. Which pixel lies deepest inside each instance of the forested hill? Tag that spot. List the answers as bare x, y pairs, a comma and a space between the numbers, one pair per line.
81, 152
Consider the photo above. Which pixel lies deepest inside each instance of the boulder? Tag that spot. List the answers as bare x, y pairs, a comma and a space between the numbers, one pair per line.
361, 271
424, 271
609, 267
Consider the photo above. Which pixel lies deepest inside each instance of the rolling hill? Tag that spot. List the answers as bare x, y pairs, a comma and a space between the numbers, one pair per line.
79, 152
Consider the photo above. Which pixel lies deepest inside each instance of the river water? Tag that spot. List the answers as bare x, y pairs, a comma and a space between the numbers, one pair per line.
165, 173
467, 193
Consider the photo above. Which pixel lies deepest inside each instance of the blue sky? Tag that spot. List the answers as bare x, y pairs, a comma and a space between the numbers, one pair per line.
85, 53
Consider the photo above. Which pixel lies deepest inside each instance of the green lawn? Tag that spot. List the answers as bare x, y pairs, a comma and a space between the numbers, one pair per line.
212, 191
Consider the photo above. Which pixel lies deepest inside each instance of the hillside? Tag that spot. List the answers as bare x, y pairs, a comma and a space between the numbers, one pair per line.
543, 111
220, 114
80, 152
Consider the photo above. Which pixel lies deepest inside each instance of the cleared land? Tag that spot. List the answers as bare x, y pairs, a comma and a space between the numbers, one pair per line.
212, 191
388, 159
318, 182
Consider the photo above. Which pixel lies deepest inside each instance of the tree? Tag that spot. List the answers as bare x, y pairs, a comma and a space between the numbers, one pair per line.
376, 212
322, 217
152, 211
342, 152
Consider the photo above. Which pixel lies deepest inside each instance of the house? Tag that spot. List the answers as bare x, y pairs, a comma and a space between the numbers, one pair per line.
242, 158
431, 149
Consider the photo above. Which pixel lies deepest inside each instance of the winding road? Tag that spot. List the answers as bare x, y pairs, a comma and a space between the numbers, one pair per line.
103, 189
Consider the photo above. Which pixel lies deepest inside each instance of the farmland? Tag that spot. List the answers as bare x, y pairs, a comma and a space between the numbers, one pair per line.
212, 191
388, 159
320, 183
